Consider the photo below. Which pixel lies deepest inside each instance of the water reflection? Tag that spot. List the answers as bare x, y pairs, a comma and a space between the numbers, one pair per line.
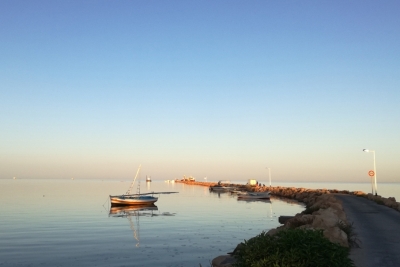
287, 200
269, 214
133, 213
254, 200
219, 193
148, 186
125, 211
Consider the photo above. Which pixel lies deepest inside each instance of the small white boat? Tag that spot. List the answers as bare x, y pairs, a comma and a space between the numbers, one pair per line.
217, 188
221, 187
135, 199
254, 195
148, 179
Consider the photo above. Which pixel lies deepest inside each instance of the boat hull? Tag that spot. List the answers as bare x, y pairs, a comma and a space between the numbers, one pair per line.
217, 188
129, 200
254, 196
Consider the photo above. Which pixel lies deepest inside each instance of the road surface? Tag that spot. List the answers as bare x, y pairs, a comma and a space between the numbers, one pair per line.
378, 231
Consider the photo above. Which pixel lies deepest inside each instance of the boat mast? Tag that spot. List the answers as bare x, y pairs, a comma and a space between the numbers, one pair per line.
130, 188
138, 188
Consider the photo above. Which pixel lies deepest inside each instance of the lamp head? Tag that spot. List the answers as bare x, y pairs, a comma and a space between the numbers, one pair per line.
366, 150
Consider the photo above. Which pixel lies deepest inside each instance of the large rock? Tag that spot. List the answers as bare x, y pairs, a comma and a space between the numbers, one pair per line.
359, 193
328, 220
324, 201
390, 202
299, 220
223, 261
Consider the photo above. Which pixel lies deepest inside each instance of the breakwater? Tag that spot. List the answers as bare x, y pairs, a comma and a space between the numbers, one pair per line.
304, 195
323, 211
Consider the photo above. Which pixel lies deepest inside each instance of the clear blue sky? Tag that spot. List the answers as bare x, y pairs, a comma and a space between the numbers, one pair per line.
217, 89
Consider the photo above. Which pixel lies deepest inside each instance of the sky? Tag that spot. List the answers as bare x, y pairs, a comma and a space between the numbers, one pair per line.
216, 89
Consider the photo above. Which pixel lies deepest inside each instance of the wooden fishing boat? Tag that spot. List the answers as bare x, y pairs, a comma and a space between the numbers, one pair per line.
222, 186
135, 199
254, 195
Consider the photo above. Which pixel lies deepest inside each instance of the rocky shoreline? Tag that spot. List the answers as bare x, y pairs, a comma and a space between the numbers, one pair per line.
323, 211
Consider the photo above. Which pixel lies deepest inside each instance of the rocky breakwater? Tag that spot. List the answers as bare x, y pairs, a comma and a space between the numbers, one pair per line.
323, 211
196, 183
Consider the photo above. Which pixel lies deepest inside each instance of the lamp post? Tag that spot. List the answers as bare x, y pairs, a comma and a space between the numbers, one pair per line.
373, 152
269, 172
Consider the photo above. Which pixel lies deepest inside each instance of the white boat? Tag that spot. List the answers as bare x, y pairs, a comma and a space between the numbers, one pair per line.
135, 199
148, 179
254, 195
221, 187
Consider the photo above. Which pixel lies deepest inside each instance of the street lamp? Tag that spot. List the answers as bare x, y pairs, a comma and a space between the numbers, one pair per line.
269, 171
376, 187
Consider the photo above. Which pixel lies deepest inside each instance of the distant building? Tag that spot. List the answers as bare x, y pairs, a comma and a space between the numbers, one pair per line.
190, 178
252, 182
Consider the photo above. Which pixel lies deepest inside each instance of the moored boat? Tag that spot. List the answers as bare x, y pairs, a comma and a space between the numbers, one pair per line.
221, 187
254, 195
135, 199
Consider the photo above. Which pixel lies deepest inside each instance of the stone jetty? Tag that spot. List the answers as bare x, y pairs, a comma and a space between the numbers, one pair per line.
323, 211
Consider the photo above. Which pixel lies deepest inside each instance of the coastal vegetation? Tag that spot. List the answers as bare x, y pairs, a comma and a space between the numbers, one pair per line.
292, 248
348, 228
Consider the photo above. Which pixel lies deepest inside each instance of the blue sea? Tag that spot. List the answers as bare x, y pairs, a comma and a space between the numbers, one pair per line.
46, 222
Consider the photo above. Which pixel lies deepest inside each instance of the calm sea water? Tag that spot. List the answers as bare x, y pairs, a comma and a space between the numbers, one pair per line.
68, 223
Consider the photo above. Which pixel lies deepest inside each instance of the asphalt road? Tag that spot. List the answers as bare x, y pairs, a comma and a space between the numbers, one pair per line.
378, 231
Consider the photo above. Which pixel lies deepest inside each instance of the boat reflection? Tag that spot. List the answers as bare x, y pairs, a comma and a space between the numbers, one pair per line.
132, 213
219, 193
270, 213
254, 200
125, 211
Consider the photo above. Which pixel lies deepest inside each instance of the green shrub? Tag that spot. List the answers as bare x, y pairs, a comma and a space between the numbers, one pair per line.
351, 234
292, 248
